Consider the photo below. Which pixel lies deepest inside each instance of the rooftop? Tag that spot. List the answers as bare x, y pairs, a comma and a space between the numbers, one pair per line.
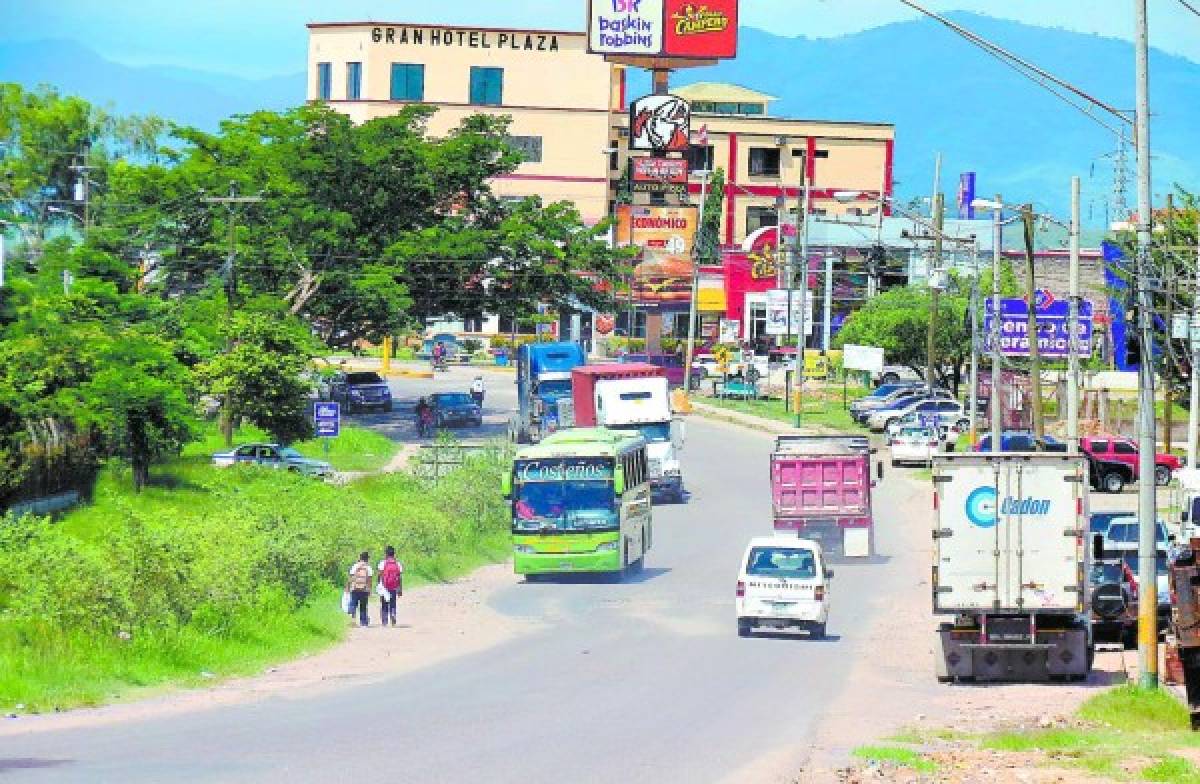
720, 92
376, 23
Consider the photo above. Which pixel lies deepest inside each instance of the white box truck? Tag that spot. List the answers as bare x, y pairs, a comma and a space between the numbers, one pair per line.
1010, 565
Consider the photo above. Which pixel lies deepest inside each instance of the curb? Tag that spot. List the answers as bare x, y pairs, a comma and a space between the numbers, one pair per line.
751, 422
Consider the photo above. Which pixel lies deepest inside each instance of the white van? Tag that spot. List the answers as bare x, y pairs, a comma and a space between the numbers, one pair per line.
783, 583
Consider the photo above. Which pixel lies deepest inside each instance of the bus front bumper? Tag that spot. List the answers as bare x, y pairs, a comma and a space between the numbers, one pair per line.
561, 555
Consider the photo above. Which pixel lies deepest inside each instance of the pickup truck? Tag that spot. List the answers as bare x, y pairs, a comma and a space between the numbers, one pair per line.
1114, 449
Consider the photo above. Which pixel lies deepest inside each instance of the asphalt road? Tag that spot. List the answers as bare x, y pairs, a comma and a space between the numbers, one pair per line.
637, 681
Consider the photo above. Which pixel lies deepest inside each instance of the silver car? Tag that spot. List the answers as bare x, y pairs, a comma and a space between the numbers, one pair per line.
273, 456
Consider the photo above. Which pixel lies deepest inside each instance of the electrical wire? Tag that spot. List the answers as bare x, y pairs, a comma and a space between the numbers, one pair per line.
1190, 7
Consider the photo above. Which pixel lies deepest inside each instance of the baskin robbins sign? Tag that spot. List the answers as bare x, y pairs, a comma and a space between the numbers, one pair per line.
697, 29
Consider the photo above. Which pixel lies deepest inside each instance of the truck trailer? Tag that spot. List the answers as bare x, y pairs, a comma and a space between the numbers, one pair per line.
543, 390
821, 489
634, 397
1011, 562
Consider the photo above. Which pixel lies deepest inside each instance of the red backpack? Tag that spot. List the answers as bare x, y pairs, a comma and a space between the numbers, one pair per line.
390, 576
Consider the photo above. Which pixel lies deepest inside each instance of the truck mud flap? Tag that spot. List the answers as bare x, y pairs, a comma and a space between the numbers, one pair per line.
1057, 655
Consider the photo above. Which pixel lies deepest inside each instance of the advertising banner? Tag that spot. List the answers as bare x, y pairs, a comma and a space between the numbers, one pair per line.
966, 195
626, 27
1053, 334
666, 236
659, 175
705, 29
730, 330
777, 313
660, 123
710, 294
868, 358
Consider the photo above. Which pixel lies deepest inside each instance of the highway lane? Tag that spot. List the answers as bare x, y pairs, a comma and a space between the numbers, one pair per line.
636, 681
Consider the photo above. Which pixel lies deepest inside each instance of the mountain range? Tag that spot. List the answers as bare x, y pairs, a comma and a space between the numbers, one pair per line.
942, 93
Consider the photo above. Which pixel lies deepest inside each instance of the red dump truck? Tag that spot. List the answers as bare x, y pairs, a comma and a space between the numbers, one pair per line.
821, 489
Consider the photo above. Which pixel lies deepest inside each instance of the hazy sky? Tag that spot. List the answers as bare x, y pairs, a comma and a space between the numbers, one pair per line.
267, 37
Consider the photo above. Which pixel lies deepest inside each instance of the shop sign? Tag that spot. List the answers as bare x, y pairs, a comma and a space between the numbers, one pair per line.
660, 123
707, 29
1052, 327
659, 175
666, 236
710, 295
729, 330
626, 27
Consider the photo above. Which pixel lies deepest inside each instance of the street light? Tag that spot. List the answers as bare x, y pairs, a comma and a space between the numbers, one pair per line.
693, 314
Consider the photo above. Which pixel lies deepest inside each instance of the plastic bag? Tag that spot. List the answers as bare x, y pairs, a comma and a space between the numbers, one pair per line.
345, 601
383, 593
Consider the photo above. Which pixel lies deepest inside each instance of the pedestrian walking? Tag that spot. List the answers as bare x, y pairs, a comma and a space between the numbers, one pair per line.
390, 587
359, 586
477, 391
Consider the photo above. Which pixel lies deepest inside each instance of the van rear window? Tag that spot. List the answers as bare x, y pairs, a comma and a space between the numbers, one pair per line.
794, 562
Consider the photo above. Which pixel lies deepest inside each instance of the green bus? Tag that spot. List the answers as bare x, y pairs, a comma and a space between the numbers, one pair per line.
580, 503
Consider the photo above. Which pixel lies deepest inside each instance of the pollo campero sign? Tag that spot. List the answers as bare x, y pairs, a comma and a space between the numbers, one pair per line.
698, 29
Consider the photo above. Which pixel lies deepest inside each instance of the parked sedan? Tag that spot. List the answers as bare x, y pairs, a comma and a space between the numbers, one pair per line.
456, 408
915, 445
1021, 441
947, 412
272, 456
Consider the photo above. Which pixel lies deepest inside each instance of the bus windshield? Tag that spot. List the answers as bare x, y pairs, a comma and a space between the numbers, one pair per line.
564, 495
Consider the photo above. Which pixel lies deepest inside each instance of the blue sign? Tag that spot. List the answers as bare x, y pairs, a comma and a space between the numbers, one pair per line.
327, 417
966, 195
1052, 324
981, 507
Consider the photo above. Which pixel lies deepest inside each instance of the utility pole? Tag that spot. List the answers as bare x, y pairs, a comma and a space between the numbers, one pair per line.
939, 208
1194, 348
995, 403
1147, 600
695, 311
1035, 358
827, 326
802, 221
1073, 379
974, 394
231, 202
1169, 285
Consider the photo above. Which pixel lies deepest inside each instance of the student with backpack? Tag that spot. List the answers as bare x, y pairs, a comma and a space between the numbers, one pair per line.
359, 586
390, 588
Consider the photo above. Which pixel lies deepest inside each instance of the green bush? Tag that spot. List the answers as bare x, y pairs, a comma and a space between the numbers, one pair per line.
204, 549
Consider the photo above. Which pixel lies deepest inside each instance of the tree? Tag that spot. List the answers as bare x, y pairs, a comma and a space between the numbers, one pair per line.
897, 321
263, 371
708, 237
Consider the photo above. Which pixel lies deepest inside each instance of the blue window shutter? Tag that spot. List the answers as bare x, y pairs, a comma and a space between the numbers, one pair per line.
416, 83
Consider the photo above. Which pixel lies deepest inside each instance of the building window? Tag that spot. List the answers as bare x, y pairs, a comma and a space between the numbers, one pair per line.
408, 82
758, 217
353, 81
752, 108
487, 86
614, 157
324, 81
700, 158
530, 147
764, 161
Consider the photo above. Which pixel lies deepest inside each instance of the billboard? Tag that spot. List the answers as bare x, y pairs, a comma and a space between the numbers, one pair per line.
1053, 332
666, 236
869, 358
966, 195
684, 29
706, 29
779, 301
658, 175
660, 123
630, 27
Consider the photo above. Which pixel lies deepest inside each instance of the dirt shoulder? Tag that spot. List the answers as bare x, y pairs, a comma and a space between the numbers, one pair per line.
436, 623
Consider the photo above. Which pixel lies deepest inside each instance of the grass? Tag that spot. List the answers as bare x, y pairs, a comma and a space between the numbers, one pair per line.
1122, 724
356, 449
219, 529
896, 755
831, 415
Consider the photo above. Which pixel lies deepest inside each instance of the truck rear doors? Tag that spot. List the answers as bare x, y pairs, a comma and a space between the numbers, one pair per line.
1009, 533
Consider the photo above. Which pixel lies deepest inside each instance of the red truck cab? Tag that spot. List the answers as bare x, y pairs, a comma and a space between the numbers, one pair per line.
1117, 449
821, 489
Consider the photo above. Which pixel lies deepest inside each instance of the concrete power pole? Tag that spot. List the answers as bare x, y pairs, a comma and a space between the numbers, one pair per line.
1147, 600
1194, 348
995, 403
1073, 379
939, 209
695, 311
1035, 359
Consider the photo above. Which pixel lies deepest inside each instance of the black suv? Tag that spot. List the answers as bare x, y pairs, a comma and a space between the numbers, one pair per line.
360, 391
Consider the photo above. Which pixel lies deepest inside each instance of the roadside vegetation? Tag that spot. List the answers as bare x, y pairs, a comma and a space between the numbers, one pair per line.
1123, 734
827, 413
213, 572
356, 449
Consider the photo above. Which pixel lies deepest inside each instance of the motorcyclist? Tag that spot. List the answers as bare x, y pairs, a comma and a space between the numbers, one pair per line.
424, 413
439, 355
477, 390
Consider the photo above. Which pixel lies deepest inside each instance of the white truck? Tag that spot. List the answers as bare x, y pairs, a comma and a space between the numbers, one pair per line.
635, 397
1010, 565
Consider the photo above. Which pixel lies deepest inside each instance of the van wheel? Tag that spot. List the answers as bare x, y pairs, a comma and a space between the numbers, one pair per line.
1162, 476
743, 628
1113, 482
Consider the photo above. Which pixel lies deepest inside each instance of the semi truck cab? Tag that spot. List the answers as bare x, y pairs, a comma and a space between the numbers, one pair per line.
544, 390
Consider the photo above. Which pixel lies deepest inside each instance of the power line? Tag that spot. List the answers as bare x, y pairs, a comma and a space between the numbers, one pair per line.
1190, 7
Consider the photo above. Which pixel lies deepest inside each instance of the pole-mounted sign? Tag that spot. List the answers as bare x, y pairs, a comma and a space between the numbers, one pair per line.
682, 29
